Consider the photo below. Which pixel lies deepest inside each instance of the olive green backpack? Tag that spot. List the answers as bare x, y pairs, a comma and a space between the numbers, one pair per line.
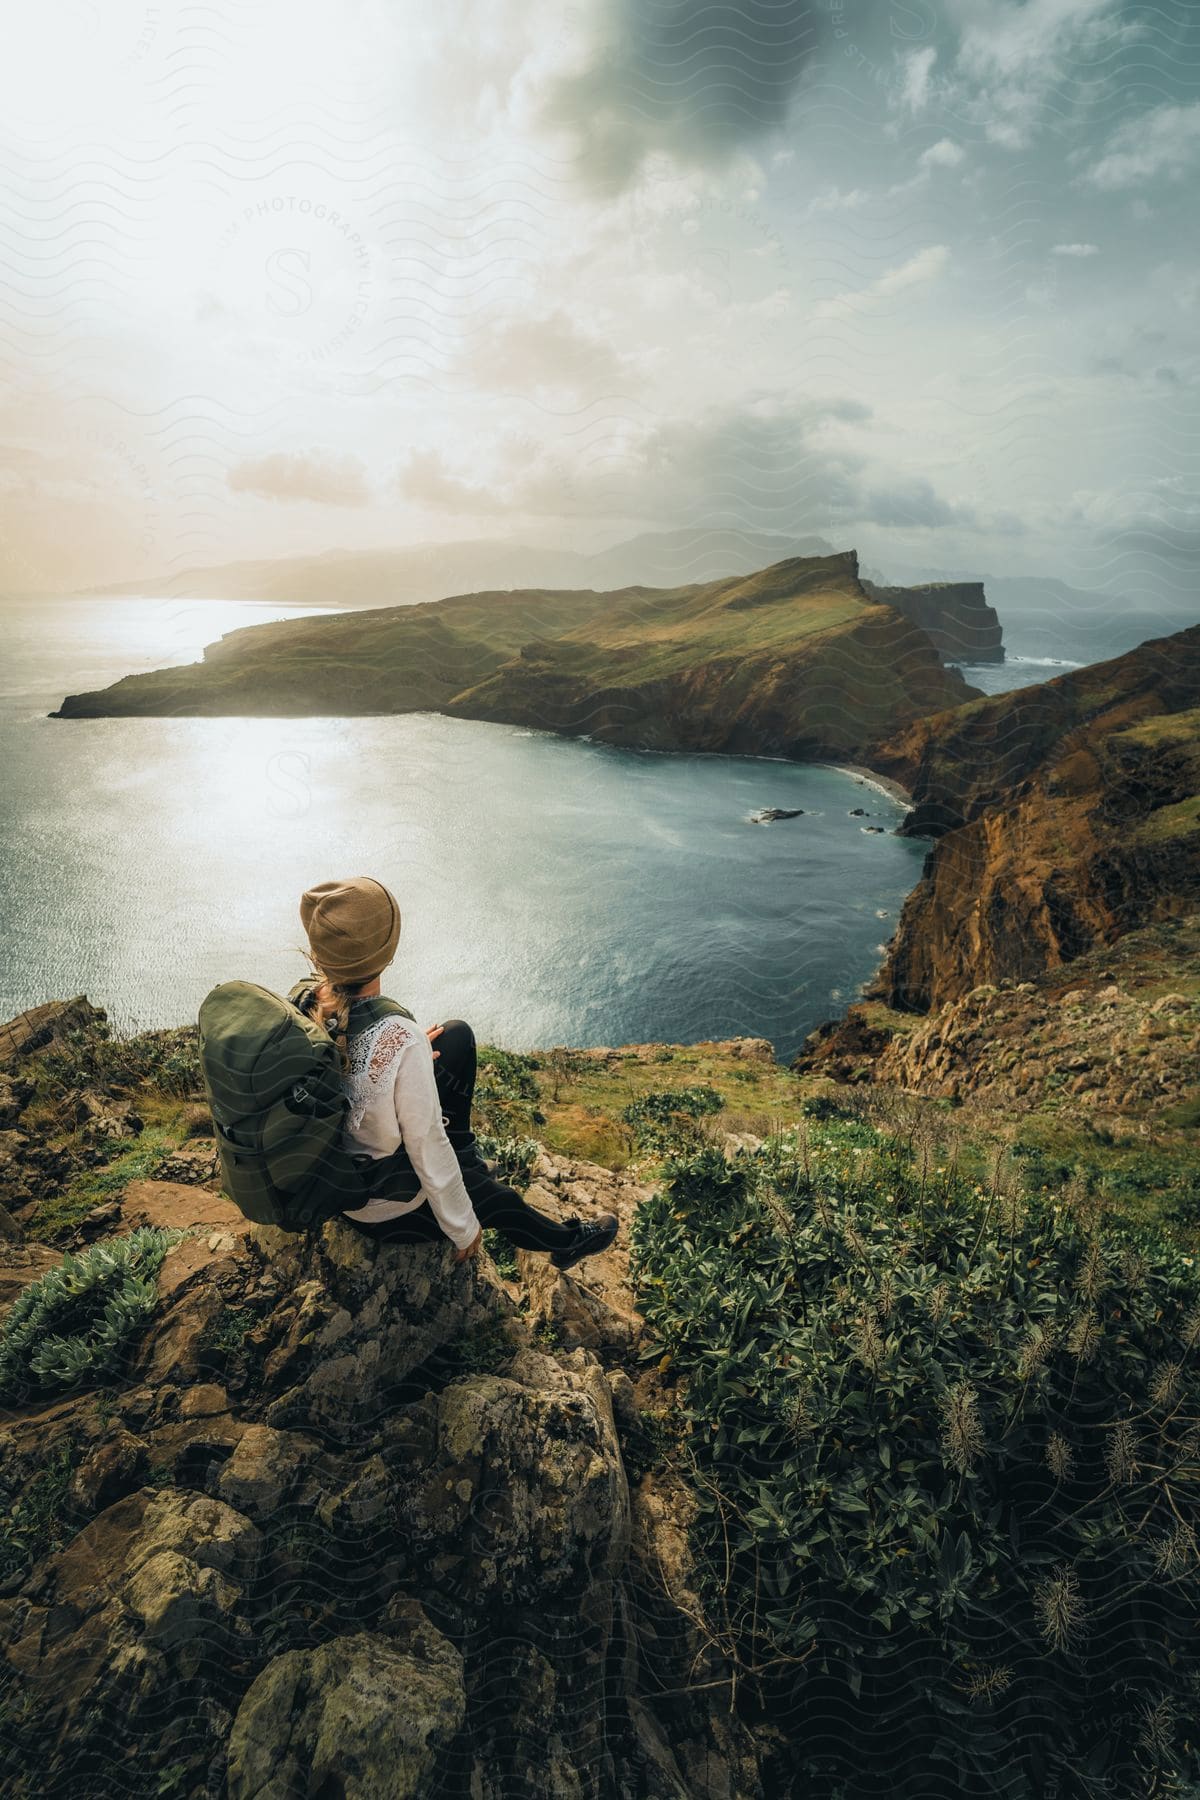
274, 1085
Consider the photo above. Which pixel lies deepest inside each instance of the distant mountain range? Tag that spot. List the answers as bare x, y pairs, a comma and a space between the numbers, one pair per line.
1043, 618
408, 576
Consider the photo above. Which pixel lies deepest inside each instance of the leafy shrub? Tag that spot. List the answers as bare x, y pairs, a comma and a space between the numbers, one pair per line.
667, 1118
947, 1448
167, 1060
506, 1093
75, 1322
514, 1157
825, 1106
37, 1521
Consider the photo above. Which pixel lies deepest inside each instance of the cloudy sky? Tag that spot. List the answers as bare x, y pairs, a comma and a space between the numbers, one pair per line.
920, 277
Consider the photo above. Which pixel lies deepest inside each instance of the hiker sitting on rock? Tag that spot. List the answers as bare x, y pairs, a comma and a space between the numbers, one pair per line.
409, 1103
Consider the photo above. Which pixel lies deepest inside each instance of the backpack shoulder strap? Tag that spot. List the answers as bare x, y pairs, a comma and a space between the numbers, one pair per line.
375, 1009
301, 995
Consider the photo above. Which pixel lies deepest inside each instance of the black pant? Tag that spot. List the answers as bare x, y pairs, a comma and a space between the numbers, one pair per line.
497, 1206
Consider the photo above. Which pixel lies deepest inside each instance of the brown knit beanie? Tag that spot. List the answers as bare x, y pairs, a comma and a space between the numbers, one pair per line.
353, 928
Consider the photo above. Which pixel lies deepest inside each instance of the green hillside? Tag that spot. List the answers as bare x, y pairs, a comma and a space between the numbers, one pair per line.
795, 660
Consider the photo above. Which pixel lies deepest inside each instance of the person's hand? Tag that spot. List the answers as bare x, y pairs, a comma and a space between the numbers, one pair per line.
435, 1031
472, 1248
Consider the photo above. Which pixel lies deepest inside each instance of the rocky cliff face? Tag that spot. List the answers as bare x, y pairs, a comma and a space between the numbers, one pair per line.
832, 697
1112, 1038
1066, 815
956, 615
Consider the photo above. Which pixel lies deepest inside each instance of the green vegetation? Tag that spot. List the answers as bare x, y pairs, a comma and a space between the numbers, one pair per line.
798, 654
584, 1095
506, 1093
665, 1117
38, 1521
62, 1212
74, 1323
166, 1061
225, 1334
945, 1436
514, 1157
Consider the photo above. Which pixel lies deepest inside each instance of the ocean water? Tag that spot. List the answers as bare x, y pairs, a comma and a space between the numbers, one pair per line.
1015, 671
553, 891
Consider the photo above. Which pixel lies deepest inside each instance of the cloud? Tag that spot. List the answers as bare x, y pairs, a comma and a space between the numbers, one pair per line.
837, 200
314, 476
1016, 58
926, 266
1159, 523
1162, 142
779, 462
425, 480
541, 351
1075, 250
908, 502
665, 77
916, 67
945, 154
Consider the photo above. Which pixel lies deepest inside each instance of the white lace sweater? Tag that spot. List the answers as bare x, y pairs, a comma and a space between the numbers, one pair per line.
394, 1100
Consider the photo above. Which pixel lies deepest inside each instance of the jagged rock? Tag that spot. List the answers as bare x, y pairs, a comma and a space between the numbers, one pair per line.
341, 1460
571, 1308
148, 1595
179, 1205
1060, 819
262, 1469
15, 1095
101, 1117
527, 1485
593, 1304
21, 1263
368, 1717
35, 1028
192, 1164
356, 1317
108, 1471
1172, 1003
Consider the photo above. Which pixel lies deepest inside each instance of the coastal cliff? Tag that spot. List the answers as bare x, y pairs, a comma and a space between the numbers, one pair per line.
956, 615
1065, 815
797, 660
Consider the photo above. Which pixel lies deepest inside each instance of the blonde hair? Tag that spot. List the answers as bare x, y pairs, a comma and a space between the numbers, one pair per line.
331, 1008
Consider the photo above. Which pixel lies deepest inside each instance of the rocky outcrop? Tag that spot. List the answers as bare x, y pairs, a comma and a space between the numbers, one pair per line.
358, 1516
374, 1716
1066, 815
1113, 1038
40, 1025
794, 662
956, 616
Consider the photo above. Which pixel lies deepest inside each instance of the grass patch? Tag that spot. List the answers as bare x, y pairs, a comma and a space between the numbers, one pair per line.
39, 1521
62, 1212
226, 1333
502, 1254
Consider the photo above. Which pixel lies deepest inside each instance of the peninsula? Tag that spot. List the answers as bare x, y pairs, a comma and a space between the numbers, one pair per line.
797, 660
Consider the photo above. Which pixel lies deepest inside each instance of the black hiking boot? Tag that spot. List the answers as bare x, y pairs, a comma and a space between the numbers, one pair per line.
596, 1235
